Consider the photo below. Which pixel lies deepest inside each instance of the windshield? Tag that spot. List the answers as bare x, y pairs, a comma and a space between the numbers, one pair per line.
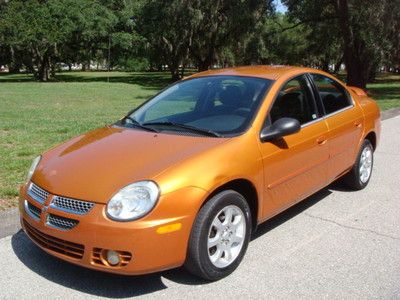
215, 106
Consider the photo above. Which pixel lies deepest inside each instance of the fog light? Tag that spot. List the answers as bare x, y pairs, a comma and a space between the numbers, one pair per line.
112, 257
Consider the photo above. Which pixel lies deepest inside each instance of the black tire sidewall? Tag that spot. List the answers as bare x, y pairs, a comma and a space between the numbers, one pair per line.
356, 171
203, 222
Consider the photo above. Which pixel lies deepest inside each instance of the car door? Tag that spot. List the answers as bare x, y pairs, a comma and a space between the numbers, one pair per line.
344, 120
295, 166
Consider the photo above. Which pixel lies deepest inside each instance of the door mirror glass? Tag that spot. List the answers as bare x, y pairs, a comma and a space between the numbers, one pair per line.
280, 128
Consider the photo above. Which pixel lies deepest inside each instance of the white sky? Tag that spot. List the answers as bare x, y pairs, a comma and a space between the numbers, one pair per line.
280, 7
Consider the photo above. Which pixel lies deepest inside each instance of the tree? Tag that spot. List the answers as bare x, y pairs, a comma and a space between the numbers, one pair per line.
37, 29
272, 44
167, 27
360, 28
93, 26
362, 33
391, 22
223, 24
45, 31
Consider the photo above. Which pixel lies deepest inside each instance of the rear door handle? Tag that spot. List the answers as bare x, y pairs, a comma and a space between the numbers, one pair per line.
321, 140
358, 124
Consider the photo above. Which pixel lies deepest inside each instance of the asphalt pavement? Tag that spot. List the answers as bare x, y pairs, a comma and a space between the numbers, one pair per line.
336, 244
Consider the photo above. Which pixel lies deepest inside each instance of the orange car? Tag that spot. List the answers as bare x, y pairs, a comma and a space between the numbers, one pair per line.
185, 178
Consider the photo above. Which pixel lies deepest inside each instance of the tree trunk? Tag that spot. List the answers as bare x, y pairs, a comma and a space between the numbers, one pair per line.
44, 68
43, 74
15, 65
356, 67
325, 66
204, 65
337, 66
183, 71
174, 70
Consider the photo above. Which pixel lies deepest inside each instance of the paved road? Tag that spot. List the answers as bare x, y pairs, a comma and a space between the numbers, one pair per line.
336, 244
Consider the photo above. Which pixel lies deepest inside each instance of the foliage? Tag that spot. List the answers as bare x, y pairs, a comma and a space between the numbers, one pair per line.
41, 35
355, 28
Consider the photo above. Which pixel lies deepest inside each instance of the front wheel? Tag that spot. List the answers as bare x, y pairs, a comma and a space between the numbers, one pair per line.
219, 236
360, 174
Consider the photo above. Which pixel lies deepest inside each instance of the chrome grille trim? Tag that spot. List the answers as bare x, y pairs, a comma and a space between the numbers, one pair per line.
33, 211
61, 222
72, 206
36, 193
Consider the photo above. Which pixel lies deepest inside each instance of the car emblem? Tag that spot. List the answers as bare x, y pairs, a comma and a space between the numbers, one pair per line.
44, 208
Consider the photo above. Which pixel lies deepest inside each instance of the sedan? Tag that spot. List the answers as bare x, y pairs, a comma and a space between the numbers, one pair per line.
185, 178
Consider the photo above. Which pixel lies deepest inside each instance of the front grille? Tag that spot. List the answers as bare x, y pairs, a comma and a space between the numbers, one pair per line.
32, 210
71, 205
61, 222
66, 248
99, 257
37, 193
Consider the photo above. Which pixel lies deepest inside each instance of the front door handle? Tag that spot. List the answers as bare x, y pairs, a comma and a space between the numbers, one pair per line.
321, 140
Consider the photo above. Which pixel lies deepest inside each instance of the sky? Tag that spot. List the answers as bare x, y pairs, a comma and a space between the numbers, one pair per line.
280, 7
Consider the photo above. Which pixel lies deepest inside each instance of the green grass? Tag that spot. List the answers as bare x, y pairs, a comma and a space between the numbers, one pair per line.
36, 116
386, 90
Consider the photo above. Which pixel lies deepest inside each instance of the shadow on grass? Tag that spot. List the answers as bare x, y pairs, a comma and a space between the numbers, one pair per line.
150, 80
388, 78
6, 77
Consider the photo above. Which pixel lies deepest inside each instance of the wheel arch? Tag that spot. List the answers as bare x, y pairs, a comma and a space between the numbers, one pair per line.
247, 189
371, 136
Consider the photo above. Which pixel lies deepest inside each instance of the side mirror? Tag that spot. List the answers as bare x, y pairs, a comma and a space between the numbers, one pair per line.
280, 128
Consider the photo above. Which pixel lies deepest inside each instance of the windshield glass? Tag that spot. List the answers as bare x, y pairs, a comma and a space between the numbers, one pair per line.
216, 105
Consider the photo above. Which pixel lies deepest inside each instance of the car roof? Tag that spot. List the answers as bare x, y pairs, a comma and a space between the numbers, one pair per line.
268, 72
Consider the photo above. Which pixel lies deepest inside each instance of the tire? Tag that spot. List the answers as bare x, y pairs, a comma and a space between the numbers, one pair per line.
360, 174
216, 245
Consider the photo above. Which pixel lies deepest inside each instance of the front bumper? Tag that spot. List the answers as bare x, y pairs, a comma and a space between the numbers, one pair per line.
144, 248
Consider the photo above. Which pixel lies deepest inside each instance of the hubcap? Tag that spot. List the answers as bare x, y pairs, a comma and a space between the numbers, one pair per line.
365, 164
226, 236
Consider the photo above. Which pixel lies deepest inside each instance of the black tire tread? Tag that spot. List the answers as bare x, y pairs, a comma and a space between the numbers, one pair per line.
352, 178
195, 261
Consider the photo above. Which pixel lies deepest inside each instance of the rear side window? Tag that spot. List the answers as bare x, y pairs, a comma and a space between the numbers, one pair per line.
333, 95
294, 101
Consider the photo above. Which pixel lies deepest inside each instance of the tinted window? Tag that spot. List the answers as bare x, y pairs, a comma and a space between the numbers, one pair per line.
223, 104
332, 94
294, 101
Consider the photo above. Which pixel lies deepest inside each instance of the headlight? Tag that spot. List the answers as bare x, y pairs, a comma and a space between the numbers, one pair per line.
32, 169
133, 201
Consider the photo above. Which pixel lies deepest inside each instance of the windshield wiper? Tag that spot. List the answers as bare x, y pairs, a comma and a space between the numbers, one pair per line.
183, 126
138, 124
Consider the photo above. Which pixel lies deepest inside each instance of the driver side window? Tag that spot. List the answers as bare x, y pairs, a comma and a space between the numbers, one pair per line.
294, 101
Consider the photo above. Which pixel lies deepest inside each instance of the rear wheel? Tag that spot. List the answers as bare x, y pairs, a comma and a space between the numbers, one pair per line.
219, 236
360, 174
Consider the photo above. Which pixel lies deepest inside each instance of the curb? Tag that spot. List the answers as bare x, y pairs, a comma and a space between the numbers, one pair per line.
390, 113
9, 219
9, 222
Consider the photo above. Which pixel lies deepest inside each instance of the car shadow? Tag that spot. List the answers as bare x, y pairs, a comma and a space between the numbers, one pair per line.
298, 208
118, 286
93, 282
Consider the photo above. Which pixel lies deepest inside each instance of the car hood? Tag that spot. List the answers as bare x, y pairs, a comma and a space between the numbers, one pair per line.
96, 165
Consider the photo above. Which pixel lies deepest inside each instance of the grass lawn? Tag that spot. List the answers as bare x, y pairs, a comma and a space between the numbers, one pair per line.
36, 116
386, 90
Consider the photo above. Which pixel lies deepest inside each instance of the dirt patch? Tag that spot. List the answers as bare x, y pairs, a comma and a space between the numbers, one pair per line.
5, 204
